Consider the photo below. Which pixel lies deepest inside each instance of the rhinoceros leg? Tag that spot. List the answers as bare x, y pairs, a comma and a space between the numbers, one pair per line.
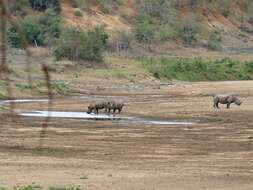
217, 105
228, 105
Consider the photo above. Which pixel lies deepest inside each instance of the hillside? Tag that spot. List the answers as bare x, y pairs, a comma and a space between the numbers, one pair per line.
138, 45
160, 27
230, 21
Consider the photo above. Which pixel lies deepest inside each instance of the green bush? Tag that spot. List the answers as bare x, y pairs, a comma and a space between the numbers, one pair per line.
77, 45
119, 2
40, 29
73, 3
145, 30
156, 21
78, 13
18, 8
105, 6
214, 41
225, 7
188, 30
14, 39
42, 5
23, 86
166, 32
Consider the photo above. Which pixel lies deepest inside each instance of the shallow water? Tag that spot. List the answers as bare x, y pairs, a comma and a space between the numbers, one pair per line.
24, 101
73, 115
84, 115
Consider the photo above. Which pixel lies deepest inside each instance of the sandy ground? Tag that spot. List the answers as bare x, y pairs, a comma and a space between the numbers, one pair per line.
215, 153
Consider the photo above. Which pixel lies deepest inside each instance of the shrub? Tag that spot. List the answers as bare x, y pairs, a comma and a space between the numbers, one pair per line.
145, 30
18, 8
78, 13
73, 3
214, 41
165, 32
39, 30
188, 30
78, 45
14, 39
225, 7
42, 5
153, 8
22, 86
105, 6
119, 2
156, 21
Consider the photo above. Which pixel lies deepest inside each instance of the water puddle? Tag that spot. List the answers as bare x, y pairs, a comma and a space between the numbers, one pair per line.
23, 101
72, 115
102, 117
89, 117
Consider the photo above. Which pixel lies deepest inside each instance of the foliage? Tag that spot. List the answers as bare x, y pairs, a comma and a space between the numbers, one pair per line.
42, 5
60, 87
39, 30
30, 187
64, 188
158, 21
18, 8
23, 86
188, 30
78, 45
73, 3
78, 13
214, 41
14, 39
197, 69
145, 30
36, 187
225, 7
107, 6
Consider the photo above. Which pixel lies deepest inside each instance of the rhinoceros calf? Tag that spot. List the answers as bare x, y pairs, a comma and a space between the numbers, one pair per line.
225, 99
96, 106
112, 105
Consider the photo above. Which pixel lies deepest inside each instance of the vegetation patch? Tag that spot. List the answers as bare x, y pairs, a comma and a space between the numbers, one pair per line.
214, 41
65, 188
80, 45
78, 13
39, 30
37, 187
158, 21
83, 177
18, 8
2, 97
59, 87
23, 86
197, 69
45, 4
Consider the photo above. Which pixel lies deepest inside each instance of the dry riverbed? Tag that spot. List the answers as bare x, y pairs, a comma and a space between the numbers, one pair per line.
216, 152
